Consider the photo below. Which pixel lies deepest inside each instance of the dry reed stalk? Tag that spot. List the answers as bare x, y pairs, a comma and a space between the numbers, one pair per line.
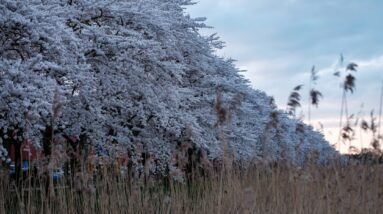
380, 114
281, 188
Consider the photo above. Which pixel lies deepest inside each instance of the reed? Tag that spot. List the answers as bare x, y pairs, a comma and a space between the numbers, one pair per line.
267, 188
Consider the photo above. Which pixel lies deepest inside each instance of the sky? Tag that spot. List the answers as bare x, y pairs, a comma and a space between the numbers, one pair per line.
278, 41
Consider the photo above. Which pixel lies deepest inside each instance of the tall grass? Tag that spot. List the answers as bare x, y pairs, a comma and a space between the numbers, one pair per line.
349, 123
277, 188
380, 113
314, 95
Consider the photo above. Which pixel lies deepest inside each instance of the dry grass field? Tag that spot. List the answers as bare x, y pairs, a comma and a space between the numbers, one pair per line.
337, 188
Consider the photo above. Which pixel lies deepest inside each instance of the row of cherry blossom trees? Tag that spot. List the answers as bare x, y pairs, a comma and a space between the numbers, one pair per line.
137, 77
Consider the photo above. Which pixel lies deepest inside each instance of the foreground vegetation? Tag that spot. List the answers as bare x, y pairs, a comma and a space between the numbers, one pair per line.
276, 188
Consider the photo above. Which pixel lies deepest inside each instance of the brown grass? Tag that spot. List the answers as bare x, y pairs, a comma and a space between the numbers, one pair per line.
354, 188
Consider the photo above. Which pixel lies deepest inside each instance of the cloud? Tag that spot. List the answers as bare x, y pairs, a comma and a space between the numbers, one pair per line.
268, 75
374, 63
278, 41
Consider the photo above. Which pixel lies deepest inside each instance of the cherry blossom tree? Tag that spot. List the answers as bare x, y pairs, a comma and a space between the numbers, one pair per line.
135, 76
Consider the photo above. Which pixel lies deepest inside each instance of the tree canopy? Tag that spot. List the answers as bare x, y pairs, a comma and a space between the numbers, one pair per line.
135, 75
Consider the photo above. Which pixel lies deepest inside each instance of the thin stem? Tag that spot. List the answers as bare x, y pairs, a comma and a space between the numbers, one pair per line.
346, 114
341, 118
309, 103
361, 116
346, 107
380, 112
361, 139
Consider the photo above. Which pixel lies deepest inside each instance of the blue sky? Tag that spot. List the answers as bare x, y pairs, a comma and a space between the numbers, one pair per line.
278, 41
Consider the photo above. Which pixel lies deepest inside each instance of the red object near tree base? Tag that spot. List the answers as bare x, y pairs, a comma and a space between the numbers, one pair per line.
28, 151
